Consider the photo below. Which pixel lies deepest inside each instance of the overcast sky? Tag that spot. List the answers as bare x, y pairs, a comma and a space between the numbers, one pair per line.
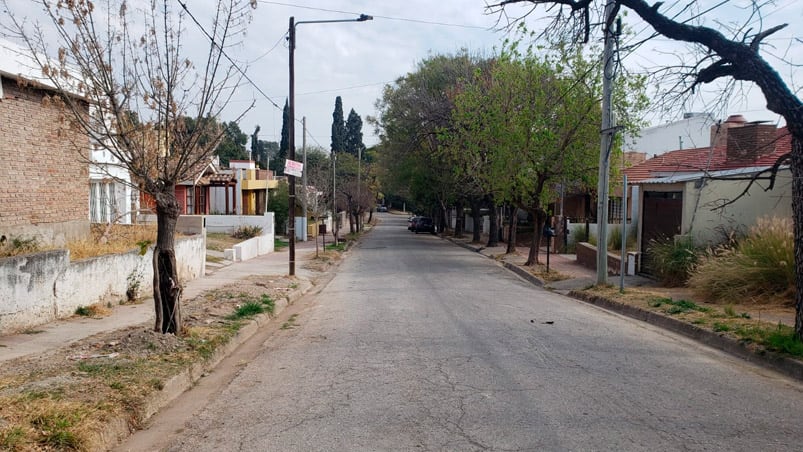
355, 60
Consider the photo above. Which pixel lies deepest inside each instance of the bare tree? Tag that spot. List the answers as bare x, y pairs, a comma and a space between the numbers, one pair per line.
152, 105
735, 58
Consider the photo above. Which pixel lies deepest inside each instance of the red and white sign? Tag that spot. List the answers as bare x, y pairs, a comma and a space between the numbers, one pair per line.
293, 168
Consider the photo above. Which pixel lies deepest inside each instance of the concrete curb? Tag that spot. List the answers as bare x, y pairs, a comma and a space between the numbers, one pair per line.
785, 365
117, 429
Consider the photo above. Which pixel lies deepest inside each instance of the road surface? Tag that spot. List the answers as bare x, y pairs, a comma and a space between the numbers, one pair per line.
419, 345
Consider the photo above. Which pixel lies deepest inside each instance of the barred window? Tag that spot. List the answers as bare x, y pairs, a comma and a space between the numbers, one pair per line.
615, 209
190, 210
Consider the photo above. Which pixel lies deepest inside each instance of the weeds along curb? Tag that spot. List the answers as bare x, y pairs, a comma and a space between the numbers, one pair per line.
787, 366
118, 428
523, 273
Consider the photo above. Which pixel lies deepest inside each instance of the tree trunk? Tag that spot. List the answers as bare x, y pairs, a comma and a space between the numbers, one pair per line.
535, 244
476, 219
460, 218
493, 220
513, 221
797, 219
443, 225
166, 286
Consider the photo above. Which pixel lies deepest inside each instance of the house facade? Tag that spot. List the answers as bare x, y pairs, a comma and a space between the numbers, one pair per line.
708, 194
44, 191
111, 196
249, 194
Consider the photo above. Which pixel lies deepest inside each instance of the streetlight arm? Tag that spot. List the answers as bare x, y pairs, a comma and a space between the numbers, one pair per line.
362, 18
291, 37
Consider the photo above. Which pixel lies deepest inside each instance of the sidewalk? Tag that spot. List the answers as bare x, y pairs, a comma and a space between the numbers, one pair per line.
579, 277
63, 332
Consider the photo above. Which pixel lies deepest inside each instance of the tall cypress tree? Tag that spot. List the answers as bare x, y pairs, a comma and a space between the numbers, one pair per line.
338, 127
284, 145
354, 144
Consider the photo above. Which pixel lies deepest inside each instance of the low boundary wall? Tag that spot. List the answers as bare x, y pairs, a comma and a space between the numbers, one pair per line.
42, 287
587, 257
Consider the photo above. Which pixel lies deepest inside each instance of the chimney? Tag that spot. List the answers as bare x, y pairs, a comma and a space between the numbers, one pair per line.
721, 138
751, 141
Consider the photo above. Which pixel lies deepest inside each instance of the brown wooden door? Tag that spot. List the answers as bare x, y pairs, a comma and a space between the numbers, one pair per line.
663, 211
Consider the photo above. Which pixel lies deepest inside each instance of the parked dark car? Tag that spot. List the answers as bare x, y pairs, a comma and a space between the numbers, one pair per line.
424, 224
411, 222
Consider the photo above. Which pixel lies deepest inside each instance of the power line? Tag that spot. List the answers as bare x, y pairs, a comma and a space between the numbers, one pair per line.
333, 90
223, 52
402, 19
282, 38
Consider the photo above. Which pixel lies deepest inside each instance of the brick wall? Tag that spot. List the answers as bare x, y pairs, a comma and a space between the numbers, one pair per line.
587, 257
751, 141
44, 181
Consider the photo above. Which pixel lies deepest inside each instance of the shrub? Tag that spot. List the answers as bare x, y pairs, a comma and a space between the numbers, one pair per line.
758, 266
18, 245
245, 232
672, 261
615, 238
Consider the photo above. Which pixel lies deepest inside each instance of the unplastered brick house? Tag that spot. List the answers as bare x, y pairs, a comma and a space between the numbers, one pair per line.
44, 190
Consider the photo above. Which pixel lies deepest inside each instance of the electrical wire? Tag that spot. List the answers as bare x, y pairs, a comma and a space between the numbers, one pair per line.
402, 19
223, 52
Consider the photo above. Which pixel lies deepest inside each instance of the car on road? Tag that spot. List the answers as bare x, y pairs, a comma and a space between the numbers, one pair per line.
382, 209
411, 222
424, 224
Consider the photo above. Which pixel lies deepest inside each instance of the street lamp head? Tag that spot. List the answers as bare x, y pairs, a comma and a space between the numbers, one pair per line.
364, 17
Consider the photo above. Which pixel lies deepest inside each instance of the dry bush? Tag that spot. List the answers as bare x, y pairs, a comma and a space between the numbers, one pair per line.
760, 267
117, 238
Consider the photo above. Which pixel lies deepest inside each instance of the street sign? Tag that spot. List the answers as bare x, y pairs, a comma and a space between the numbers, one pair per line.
293, 168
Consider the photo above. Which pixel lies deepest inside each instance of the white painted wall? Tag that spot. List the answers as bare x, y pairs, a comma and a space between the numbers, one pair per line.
709, 225
230, 223
46, 286
694, 132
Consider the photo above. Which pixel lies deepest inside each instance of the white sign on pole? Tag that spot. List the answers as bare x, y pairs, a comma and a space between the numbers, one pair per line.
293, 168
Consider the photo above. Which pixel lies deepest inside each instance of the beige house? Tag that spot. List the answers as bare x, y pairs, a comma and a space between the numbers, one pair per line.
710, 193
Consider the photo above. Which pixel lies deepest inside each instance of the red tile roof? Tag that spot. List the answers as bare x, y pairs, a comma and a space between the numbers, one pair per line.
704, 159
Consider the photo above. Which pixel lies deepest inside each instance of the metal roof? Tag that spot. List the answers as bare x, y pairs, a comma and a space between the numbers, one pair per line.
688, 177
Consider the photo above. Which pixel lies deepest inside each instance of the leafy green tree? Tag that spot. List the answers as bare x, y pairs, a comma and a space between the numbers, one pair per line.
531, 122
412, 114
263, 151
354, 144
724, 50
284, 145
338, 127
232, 144
279, 205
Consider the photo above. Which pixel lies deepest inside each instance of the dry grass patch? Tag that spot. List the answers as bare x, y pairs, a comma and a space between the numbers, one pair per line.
63, 400
324, 259
220, 241
737, 321
113, 239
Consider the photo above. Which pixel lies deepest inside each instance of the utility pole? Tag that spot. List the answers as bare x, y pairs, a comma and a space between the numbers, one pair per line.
334, 196
607, 132
359, 200
304, 177
291, 38
291, 153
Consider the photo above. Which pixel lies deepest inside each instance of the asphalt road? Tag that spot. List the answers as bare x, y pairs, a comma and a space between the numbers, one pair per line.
417, 344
